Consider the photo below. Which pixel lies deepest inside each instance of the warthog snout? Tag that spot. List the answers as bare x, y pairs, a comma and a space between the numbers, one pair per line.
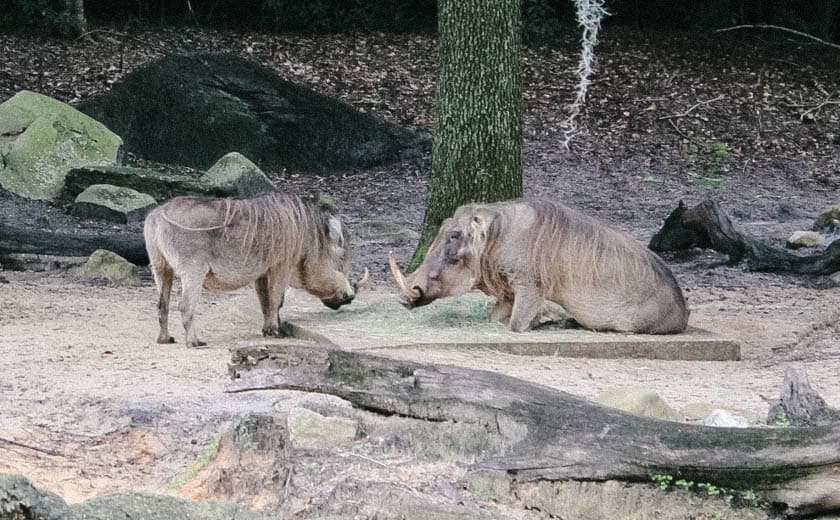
343, 299
335, 303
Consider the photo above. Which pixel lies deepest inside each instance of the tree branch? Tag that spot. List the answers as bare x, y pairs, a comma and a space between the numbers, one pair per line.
780, 28
707, 226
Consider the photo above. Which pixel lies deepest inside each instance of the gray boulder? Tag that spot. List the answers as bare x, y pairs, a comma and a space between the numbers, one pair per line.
41, 139
235, 174
113, 203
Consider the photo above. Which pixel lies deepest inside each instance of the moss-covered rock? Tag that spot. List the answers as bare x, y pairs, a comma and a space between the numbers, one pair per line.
41, 139
235, 174
113, 203
188, 109
800, 239
104, 264
639, 401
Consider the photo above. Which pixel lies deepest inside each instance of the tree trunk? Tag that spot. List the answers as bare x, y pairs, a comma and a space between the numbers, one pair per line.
477, 146
34, 241
550, 435
707, 226
76, 16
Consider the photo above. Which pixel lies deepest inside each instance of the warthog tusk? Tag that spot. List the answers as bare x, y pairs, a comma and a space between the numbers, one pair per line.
400, 279
361, 283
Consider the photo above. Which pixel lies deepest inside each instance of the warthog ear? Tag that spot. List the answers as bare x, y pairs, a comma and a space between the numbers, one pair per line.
335, 231
482, 228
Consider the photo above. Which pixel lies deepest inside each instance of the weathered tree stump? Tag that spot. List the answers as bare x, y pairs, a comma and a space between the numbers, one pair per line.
707, 226
799, 404
550, 435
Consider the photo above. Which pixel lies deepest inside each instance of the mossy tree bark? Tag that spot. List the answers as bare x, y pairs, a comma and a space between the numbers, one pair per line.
477, 146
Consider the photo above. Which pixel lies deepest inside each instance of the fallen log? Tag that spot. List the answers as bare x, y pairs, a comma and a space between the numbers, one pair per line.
550, 435
707, 226
14, 239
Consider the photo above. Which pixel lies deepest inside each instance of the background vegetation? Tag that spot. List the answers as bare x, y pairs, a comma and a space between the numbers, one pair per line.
542, 18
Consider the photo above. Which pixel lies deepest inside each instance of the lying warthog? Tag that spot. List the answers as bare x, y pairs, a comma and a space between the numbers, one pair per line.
524, 253
274, 240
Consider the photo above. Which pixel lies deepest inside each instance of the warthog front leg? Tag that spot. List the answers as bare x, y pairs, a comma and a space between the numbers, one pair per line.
190, 293
502, 310
526, 305
271, 291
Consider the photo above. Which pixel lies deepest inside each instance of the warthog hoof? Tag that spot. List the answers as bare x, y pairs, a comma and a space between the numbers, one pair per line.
166, 340
274, 331
197, 344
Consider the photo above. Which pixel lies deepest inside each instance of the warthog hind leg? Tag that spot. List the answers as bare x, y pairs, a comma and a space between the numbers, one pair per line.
526, 306
163, 276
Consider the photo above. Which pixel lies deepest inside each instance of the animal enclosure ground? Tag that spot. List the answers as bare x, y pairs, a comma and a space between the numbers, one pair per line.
83, 377
84, 382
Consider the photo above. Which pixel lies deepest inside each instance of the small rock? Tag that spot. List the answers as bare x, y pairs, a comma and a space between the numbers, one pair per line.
804, 239
723, 419
696, 412
111, 266
235, 174
311, 430
835, 279
829, 220
637, 401
112, 203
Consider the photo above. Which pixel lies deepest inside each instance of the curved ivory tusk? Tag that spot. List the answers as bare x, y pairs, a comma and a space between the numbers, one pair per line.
361, 283
400, 279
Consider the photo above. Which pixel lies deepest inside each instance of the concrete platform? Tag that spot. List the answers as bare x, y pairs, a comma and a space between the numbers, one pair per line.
376, 322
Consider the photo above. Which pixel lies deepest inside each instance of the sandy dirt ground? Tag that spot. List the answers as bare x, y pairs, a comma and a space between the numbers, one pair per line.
95, 405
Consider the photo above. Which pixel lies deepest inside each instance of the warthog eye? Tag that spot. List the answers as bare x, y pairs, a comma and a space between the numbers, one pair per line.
453, 245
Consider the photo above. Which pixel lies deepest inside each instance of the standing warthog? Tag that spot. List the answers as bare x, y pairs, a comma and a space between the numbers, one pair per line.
524, 253
274, 241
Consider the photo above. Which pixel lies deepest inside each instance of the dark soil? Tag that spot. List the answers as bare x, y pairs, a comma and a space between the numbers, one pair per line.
752, 124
